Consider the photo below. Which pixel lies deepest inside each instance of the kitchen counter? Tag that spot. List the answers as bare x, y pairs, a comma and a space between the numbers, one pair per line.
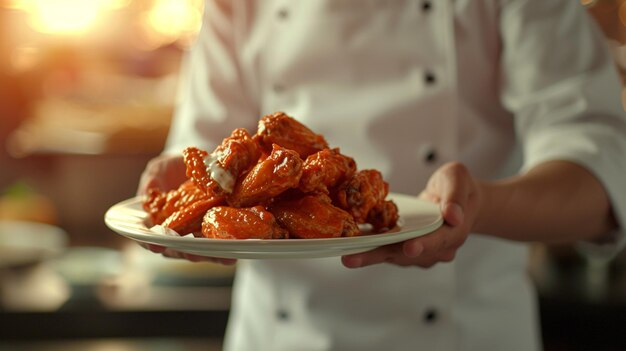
582, 308
98, 293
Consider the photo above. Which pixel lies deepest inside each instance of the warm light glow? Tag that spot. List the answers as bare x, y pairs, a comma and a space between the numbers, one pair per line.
13, 4
588, 2
172, 20
622, 13
24, 58
64, 16
118, 4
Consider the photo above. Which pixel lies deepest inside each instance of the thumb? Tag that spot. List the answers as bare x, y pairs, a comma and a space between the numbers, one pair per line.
452, 213
456, 189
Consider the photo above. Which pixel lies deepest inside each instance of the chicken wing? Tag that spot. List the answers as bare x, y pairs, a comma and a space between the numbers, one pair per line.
278, 128
179, 209
217, 172
383, 217
238, 153
189, 218
364, 191
153, 204
194, 159
283, 181
326, 169
159, 204
280, 171
224, 222
313, 216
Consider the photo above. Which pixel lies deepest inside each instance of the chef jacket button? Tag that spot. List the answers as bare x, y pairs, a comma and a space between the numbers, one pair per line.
430, 316
282, 315
283, 14
429, 155
426, 6
430, 78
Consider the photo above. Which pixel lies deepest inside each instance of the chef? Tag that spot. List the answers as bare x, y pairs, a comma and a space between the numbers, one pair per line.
505, 113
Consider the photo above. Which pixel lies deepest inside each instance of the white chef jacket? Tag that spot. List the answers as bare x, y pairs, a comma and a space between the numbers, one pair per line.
403, 86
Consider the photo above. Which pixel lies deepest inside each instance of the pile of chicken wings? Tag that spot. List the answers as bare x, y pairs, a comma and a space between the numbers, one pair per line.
282, 182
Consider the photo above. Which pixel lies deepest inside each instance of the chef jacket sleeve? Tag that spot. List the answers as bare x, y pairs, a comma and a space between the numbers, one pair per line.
212, 97
560, 82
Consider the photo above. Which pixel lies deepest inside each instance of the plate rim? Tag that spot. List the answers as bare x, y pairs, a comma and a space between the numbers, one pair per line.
261, 248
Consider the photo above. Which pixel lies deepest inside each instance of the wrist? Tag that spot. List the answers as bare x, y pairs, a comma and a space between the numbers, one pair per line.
487, 207
482, 191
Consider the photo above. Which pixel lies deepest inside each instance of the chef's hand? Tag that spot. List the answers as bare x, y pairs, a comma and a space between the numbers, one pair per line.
167, 172
167, 252
459, 197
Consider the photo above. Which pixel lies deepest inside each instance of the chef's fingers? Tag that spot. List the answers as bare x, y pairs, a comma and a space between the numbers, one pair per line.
424, 261
439, 246
164, 172
393, 254
152, 247
378, 255
387, 253
149, 177
146, 184
429, 196
197, 258
456, 187
434, 244
189, 257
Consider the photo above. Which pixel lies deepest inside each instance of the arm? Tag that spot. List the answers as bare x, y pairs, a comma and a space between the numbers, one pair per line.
561, 85
555, 201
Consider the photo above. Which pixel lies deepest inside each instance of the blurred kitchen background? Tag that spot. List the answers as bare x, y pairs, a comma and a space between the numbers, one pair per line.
87, 89
86, 95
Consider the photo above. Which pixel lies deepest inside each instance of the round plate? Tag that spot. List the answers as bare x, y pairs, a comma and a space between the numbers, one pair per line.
23, 243
417, 217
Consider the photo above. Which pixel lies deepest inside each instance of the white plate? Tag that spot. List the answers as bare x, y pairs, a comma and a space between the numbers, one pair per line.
23, 243
417, 217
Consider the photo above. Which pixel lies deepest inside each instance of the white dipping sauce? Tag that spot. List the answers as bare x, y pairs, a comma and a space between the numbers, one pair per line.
225, 180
